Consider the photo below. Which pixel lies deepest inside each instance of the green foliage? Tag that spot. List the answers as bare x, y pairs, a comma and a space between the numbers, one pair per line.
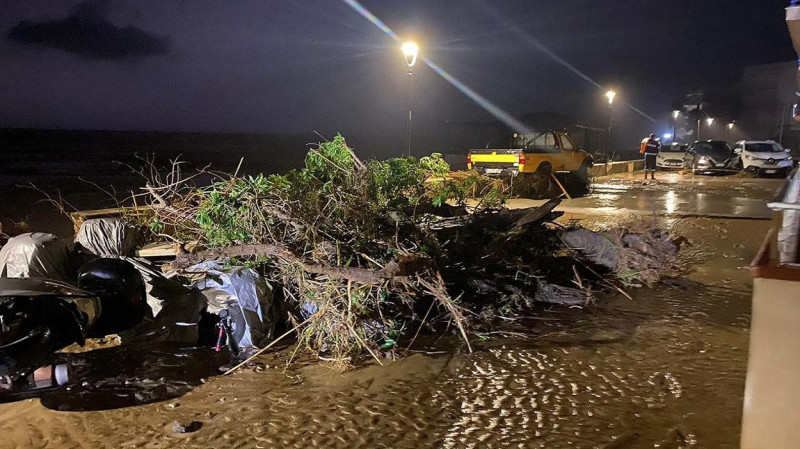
156, 225
434, 164
394, 183
222, 214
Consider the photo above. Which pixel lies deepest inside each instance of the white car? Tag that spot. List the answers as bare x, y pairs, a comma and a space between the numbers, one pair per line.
763, 157
671, 156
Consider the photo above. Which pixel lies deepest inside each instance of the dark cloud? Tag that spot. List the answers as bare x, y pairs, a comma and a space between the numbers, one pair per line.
86, 32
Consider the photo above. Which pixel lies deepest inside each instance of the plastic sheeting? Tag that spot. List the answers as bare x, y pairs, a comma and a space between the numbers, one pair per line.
107, 237
36, 255
174, 309
595, 246
173, 312
246, 296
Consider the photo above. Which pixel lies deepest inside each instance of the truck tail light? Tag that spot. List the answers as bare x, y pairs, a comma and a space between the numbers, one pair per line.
469, 158
521, 159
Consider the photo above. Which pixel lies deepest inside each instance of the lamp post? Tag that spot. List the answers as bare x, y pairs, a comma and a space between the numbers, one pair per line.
610, 95
728, 130
675, 115
410, 51
709, 122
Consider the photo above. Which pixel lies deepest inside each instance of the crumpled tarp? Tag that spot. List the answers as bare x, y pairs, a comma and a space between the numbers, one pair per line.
247, 297
107, 237
36, 255
596, 246
643, 257
174, 309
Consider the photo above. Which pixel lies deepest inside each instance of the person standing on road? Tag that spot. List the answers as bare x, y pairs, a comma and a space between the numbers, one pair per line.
650, 148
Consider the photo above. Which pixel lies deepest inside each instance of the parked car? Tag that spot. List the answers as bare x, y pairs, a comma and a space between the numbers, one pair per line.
710, 156
763, 157
671, 156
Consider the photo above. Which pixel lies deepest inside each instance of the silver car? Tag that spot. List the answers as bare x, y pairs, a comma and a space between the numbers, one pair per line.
711, 156
671, 157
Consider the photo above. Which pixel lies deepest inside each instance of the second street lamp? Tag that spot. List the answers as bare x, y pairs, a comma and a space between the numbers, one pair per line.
709, 122
410, 51
675, 115
610, 95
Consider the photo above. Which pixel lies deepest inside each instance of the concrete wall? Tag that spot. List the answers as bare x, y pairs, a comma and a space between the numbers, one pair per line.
616, 167
772, 394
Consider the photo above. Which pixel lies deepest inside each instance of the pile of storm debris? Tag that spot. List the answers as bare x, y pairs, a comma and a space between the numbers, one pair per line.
353, 258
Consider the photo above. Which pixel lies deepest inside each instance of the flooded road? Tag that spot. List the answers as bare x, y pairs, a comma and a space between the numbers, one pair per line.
665, 369
673, 195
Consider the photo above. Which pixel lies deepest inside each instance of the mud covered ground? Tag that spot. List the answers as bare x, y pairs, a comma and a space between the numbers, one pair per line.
665, 369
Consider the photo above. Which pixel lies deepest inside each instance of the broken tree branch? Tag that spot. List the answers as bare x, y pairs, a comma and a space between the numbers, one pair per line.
404, 266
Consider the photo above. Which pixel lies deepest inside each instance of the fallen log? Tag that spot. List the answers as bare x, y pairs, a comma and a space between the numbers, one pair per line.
404, 266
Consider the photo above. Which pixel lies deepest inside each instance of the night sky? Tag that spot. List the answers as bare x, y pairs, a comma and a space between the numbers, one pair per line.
317, 65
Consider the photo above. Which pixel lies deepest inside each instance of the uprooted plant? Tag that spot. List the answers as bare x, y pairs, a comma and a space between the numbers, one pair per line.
348, 241
369, 252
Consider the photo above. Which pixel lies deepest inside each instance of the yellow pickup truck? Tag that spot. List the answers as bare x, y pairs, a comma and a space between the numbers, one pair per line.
538, 156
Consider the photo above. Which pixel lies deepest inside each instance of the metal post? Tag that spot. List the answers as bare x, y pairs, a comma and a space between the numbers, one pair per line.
410, 103
610, 122
698, 127
674, 128
783, 121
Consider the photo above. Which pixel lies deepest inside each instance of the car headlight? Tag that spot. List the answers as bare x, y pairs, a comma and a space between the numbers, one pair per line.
703, 160
748, 157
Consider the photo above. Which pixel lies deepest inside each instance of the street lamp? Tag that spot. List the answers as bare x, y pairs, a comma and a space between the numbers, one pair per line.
728, 130
709, 122
610, 95
410, 51
675, 115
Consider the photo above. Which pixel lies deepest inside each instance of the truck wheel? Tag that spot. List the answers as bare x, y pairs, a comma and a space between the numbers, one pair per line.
539, 184
579, 181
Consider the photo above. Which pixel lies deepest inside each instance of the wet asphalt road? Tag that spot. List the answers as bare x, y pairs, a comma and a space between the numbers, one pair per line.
673, 194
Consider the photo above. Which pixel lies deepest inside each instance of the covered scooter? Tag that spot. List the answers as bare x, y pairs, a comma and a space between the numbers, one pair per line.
41, 316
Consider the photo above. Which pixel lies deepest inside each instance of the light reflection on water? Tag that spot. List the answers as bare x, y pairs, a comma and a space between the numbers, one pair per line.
671, 201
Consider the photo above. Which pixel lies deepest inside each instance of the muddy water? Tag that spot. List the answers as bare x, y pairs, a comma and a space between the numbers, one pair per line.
665, 369
636, 374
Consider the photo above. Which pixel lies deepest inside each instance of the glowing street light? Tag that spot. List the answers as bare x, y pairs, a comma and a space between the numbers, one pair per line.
675, 114
667, 136
730, 125
710, 121
410, 51
610, 95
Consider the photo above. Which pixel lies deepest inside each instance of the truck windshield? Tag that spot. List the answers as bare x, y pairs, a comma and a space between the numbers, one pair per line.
543, 143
